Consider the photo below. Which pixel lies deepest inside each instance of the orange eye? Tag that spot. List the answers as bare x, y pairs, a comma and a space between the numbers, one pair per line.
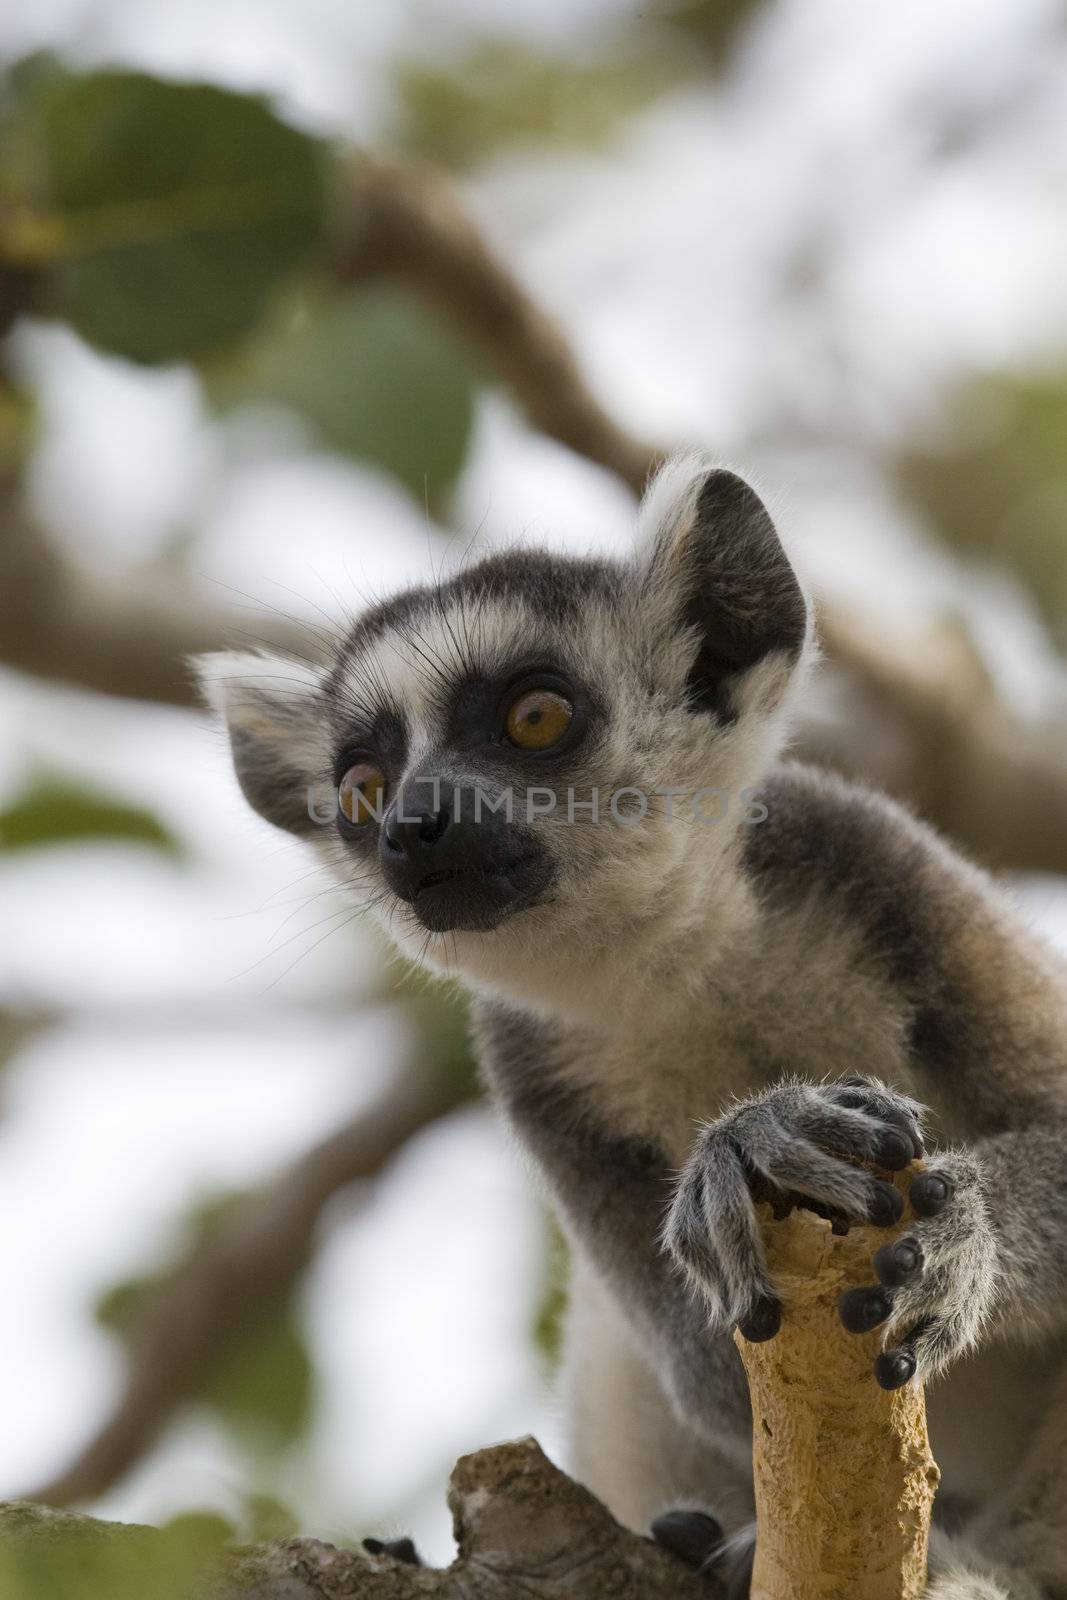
361, 793
538, 719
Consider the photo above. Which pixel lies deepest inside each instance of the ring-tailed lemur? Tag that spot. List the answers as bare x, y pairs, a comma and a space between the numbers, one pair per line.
703, 973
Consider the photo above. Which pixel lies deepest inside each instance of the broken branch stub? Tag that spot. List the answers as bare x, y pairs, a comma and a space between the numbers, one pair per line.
844, 1476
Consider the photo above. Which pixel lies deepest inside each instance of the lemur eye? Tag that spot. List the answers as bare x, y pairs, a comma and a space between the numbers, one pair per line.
361, 793
538, 719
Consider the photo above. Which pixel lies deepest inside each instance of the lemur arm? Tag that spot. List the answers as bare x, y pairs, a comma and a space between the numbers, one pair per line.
613, 1192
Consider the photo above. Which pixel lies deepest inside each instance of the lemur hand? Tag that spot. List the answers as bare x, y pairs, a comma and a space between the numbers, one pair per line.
798, 1144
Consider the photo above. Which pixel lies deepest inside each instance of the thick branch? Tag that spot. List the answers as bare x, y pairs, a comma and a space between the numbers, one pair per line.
524, 1530
918, 714
241, 1273
129, 637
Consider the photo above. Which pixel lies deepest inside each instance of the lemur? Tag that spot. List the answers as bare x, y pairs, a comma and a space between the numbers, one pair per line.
702, 975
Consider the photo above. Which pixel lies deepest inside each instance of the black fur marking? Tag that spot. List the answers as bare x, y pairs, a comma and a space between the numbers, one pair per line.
742, 597
385, 736
551, 586
692, 1536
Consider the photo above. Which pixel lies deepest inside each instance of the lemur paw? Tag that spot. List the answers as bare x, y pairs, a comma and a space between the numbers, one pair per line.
398, 1549
935, 1283
693, 1536
698, 1540
797, 1143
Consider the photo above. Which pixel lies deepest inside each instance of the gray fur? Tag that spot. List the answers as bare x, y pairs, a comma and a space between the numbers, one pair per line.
675, 1029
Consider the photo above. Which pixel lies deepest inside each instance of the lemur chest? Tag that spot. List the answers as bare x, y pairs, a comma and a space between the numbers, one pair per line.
667, 1068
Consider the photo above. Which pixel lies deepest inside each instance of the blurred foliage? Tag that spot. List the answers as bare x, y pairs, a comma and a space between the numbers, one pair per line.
158, 217
502, 93
713, 24
999, 487
80, 1561
53, 810
261, 1382
552, 1304
19, 423
441, 1017
377, 376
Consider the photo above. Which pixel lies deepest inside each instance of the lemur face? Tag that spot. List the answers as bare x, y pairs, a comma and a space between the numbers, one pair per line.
540, 747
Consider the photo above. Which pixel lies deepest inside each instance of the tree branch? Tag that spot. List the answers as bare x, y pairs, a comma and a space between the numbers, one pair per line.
241, 1273
408, 224
524, 1530
62, 620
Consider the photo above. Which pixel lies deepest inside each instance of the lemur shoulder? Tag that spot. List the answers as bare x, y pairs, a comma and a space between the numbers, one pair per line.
702, 974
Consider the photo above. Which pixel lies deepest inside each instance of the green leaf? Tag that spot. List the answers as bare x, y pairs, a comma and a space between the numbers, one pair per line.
161, 215
379, 379
263, 1382
552, 1302
503, 94
71, 1558
52, 810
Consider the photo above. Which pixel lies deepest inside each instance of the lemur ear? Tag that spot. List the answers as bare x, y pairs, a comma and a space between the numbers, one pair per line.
718, 571
278, 739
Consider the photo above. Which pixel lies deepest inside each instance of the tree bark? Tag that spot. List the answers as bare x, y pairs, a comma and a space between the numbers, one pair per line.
844, 1477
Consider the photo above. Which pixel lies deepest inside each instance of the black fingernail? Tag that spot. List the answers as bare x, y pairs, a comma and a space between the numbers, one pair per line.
762, 1322
886, 1204
853, 1082
861, 1310
898, 1262
894, 1368
930, 1193
374, 1547
693, 1536
911, 1133
893, 1151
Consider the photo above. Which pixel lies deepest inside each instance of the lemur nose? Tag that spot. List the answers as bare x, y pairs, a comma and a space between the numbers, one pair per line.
411, 828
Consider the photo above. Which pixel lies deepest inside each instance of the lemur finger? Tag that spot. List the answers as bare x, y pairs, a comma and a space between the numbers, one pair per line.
400, 1549
897, 1366
861, 1310
713, 1233
798, 1165
853, 1132
899, 1262
897, 1265
762, 1321
894, 1368
930, 1193
866, 1094
693, 1536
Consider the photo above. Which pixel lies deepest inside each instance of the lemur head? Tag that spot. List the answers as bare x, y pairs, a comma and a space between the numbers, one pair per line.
510, 766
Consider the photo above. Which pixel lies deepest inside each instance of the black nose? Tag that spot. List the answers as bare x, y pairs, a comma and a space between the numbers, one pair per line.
413, 830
